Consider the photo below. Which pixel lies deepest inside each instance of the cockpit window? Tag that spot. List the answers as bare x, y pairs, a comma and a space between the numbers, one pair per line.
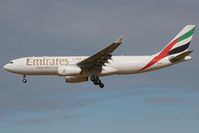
11, 62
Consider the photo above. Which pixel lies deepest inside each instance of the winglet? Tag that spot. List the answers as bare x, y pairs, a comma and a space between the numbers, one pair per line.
119, 40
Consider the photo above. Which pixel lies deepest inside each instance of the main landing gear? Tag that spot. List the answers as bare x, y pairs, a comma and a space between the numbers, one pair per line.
24, 79
97, 81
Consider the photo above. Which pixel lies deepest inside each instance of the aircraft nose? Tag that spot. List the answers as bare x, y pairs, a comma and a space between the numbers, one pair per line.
6, 67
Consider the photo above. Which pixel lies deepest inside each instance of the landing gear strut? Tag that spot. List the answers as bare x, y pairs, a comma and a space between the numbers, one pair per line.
24, 79
97, 81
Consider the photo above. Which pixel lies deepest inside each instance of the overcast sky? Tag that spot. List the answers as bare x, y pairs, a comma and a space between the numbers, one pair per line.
163, 101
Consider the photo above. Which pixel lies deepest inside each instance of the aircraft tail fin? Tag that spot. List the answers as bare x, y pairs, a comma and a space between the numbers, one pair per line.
177, 47
180, 43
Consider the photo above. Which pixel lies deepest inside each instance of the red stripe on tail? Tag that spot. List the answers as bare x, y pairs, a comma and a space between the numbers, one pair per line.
162, 54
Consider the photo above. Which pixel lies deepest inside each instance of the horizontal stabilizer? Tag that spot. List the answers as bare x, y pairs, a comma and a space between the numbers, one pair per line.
180, 56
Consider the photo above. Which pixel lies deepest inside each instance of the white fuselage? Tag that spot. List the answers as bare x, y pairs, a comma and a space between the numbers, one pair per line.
48, 65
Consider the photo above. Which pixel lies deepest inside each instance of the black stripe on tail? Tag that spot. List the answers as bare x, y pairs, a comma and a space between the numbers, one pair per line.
179, 49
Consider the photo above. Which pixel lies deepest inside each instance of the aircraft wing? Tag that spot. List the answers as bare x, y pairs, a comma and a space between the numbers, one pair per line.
94, 63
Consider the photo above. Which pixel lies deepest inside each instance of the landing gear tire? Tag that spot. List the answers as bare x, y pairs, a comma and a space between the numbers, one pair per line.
97, 81
24, 80
92, 78
101, 85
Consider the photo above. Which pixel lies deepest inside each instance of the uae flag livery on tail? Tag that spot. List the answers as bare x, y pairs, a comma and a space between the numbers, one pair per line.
177, 45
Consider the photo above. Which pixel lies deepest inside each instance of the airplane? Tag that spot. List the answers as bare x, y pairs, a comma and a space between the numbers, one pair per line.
77, 69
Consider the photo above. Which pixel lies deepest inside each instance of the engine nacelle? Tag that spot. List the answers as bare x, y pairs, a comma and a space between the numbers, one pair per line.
73, 79
69, 70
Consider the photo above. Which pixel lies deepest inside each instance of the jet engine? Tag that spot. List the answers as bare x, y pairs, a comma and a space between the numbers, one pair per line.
73, 79
69, 70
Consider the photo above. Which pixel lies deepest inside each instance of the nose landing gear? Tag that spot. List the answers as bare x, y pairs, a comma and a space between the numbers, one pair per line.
24, 79
97, 81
